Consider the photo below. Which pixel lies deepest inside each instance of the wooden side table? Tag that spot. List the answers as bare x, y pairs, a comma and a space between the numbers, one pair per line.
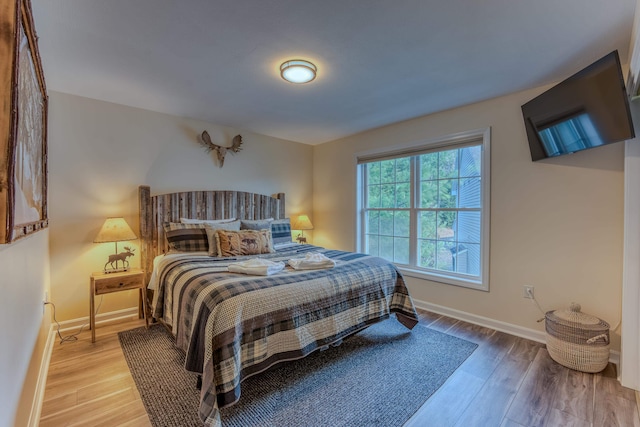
103, 283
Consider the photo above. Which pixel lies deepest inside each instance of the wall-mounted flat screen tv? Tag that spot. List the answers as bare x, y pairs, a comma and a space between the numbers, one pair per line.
589, 109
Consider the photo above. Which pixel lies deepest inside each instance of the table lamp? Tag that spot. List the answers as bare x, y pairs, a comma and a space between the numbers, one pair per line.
301, 222
116, 230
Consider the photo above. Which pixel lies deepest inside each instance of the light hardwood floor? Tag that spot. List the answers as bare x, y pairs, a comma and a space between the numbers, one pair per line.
507, 382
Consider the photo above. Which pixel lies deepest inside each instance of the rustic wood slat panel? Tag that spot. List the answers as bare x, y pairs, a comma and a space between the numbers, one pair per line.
156, 210
146, 233
183, 206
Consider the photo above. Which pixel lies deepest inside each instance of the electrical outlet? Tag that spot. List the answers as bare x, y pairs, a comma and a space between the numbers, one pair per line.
527, 292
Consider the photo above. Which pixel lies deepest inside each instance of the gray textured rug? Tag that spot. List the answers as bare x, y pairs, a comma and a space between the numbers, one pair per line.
379, 377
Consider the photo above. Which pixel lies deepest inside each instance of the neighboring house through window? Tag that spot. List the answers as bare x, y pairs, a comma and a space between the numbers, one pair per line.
425, 207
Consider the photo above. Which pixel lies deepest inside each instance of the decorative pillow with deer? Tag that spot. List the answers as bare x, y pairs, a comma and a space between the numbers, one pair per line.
212, 234
244, 242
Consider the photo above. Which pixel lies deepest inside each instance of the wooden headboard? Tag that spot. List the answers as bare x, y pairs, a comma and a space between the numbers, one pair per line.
156, 210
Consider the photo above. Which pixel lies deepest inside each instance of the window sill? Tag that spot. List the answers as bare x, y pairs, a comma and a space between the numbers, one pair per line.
449, 280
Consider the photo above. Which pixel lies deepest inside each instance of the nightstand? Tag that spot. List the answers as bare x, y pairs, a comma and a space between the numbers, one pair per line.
106, 283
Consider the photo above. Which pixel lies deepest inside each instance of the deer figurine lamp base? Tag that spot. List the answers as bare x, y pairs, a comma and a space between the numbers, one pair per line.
122, 256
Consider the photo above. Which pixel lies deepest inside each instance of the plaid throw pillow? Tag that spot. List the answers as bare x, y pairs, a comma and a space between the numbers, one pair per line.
186, 237
281, 231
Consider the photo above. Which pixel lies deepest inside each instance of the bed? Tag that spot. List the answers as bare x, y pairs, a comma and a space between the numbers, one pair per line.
232, 326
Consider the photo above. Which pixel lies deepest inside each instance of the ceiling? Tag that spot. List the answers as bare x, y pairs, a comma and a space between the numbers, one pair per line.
379, 61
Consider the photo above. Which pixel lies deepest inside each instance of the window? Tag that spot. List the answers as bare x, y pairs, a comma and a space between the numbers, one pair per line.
426, 208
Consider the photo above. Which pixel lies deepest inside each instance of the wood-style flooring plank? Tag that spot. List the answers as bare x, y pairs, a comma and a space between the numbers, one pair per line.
493, 400
510, 423
524, 349
536, 396
86, 413
427, 317
557, 418
575, 395
116, 417
141, 421
443, 323
488, 355
461, 387
607, 381
615, 405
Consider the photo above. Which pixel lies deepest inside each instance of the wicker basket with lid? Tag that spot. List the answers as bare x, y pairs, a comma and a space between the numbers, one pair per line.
577, 340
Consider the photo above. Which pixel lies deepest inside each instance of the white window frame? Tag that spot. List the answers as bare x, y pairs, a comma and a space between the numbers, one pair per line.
420, 147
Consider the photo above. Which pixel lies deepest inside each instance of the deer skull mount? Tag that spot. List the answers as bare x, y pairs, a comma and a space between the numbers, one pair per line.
221, 151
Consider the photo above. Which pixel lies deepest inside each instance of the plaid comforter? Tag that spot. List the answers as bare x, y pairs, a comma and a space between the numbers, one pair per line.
232, 326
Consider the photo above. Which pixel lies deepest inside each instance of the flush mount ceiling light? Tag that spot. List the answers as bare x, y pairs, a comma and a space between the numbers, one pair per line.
298, 71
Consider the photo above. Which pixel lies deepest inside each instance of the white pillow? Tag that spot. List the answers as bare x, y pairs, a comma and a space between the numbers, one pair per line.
205, 221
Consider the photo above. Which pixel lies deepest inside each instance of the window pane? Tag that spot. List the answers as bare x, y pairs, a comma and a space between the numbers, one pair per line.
428, 194
445, 256
401, 228
401, 250
372, 245
448, 164
386, 223
373, 222
387, 196
447, 225
403, 195
467, 259
388, 171
427, 225
386, 248
469, 227
373, 173
403, 169
442, 200
469, 193
427, 257
429, 166
470, 161
373, 196
448, 193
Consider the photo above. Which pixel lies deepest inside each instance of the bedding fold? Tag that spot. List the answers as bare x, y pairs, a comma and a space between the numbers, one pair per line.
257, 267
312, 261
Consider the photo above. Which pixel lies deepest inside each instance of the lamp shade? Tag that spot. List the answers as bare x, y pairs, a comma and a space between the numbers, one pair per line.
115, 230
301, 222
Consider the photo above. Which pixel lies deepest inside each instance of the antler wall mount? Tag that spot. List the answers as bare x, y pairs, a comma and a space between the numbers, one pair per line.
205, 141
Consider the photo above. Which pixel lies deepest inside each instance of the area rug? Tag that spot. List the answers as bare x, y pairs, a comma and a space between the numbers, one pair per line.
378, 377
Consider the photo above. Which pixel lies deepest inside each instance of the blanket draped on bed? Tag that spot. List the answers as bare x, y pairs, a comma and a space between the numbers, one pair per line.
232, 326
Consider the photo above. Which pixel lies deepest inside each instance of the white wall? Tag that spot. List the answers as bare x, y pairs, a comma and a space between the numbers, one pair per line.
24, 272
556, 224
99, 153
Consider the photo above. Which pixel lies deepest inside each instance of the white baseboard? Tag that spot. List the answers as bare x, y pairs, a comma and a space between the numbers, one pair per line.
41, 382
509, 328
66, 325
101, 319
